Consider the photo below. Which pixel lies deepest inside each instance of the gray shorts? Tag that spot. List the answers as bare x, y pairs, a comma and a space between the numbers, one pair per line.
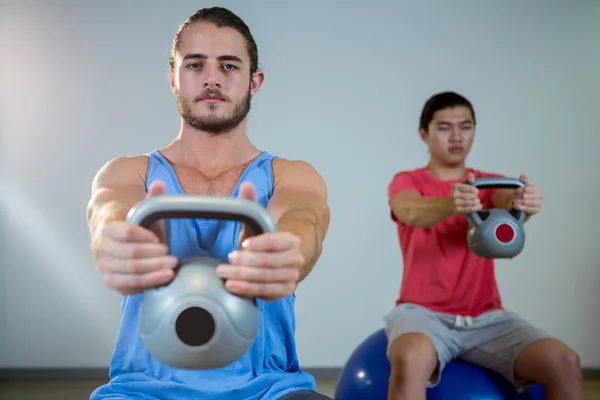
492, 340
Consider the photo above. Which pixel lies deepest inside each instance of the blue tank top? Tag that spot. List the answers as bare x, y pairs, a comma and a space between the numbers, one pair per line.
270, 368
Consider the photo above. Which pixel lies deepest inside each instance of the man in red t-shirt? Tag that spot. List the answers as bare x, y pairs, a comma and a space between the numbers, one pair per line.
449, 305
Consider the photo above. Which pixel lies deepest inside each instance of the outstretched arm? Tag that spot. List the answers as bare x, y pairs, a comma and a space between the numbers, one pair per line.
299, 206
270, 266
409, 207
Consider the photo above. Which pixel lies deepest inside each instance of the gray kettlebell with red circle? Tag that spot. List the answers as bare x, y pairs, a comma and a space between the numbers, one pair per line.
496, 233
194, 322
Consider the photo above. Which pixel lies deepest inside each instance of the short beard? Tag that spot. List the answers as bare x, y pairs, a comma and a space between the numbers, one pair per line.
214, 125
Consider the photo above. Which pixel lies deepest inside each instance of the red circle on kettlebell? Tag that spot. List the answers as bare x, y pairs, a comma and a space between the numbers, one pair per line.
505, 233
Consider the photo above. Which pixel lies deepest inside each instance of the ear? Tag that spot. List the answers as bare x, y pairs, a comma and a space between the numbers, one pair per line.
172, 80
256, 82
424, 135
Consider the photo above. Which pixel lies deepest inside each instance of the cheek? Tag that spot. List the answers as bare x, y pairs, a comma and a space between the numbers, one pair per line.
186, 80
438, 142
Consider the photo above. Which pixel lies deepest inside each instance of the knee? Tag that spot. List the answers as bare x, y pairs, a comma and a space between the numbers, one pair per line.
412, 355
569, 363
565, 362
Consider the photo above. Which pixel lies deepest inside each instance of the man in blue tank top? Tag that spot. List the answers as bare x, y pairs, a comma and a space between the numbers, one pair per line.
214, 67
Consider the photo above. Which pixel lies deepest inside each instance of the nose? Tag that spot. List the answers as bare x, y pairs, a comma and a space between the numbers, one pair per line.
456, 134
212, 77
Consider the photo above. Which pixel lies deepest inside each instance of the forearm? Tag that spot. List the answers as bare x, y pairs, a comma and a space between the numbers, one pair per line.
424, 212
303, 223
101, 214
108, 206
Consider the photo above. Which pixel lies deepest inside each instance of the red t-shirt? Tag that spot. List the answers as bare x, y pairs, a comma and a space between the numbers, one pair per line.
440, 271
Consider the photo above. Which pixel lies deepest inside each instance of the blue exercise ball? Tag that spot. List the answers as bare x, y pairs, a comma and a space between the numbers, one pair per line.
366, 376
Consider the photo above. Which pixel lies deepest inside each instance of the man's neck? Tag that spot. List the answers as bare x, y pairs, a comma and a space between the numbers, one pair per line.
206, 151
446, 172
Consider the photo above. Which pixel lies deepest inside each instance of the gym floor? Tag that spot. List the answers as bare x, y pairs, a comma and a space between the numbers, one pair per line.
80, 390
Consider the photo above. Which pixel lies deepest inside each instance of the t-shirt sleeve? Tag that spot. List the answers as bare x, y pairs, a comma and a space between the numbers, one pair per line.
401, 181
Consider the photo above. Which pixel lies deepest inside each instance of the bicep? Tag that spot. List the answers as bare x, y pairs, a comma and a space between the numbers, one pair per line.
120, 181
401, 202
402, 191
301, 188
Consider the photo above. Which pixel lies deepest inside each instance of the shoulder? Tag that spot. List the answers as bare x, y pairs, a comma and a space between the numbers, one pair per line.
406, 180
409, 175
283, 165
125, 164
120, 162
122, 167
286, 171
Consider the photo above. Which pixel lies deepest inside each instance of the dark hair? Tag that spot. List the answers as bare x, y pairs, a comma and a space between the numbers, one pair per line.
441, 101
221, 17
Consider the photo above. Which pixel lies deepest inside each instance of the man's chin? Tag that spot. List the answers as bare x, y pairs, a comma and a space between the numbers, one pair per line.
215, 126
204, 110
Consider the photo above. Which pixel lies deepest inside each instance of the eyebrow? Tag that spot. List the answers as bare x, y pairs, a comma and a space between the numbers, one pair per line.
225, 57
466, 121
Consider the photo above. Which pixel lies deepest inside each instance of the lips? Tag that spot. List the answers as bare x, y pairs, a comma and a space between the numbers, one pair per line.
456, 149
210, 98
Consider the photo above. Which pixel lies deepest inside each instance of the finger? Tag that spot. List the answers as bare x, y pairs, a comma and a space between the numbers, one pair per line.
471, 178
467, 197
266, 291
467, 191
518, 206
469, 206
469, 210
523, 178
132, 250
246, 192
531, 197
156, 188
536, 202
124, 232
257, 274
134, 283
137, 265
462, 188
532, 190
526, 209
518, 193
467, 202
531, 203
278, 241
273, 259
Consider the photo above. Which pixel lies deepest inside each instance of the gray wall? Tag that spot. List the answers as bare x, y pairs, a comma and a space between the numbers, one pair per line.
85, 81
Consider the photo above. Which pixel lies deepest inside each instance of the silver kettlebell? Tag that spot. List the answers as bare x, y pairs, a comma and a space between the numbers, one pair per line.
496, 233
194, 322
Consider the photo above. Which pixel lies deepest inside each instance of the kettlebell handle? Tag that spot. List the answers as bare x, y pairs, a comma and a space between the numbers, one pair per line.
152, 209
497, 183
